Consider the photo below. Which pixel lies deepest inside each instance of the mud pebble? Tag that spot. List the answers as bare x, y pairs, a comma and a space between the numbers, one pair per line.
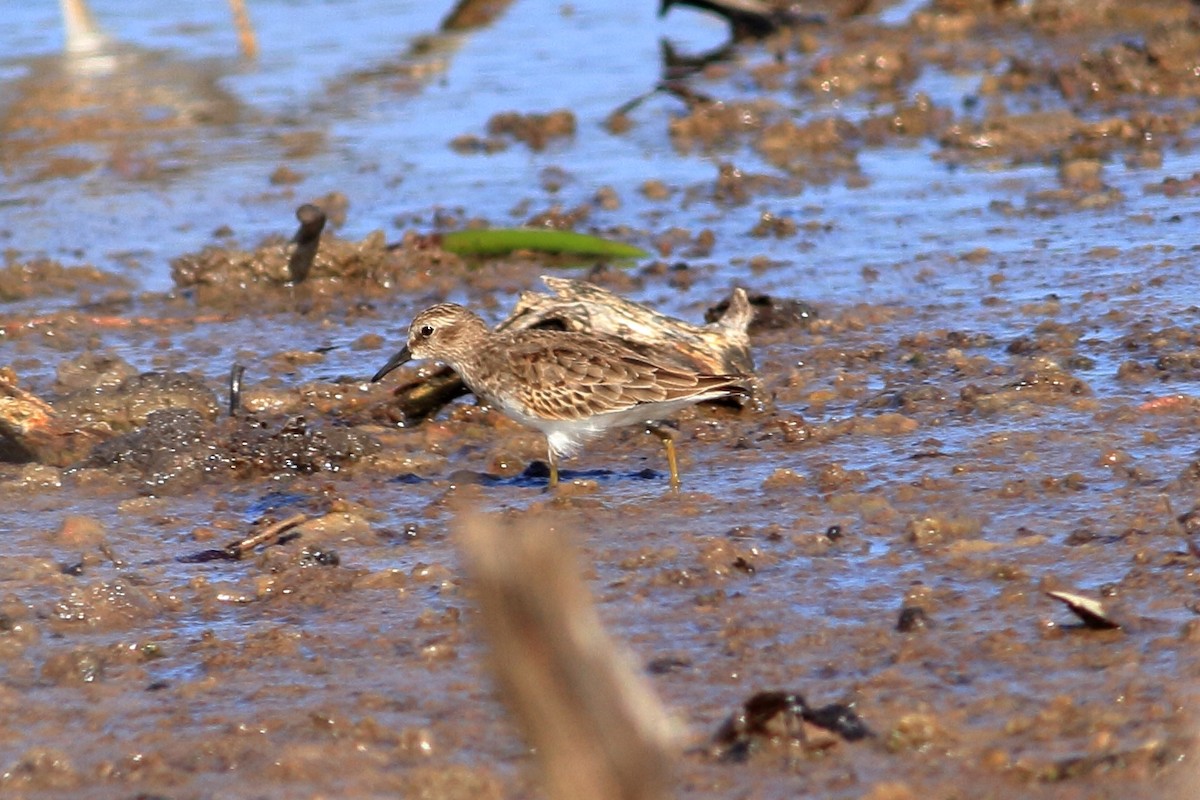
534, 130
92, 370
833, 477
39, 476
80, 532
82, 665
783, 479
934, 530
285, 176
368, 341
915, 732
656, 190
41, 768
890, 790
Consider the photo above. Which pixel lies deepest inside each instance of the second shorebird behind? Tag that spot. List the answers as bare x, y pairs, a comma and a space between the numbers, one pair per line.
571, 386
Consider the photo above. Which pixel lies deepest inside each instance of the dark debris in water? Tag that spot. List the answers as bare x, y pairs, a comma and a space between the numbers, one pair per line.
770, 313
912, 618
270, 532
774, 718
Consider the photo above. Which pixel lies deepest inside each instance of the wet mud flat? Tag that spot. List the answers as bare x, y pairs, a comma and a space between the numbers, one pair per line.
1000, 406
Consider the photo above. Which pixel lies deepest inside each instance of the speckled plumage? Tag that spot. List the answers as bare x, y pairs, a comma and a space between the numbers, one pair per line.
571, 386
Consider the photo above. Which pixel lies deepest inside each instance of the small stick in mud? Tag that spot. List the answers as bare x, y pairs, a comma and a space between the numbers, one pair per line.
595, 723
305, 242
674, 88
268, 534
235, 551
236, 372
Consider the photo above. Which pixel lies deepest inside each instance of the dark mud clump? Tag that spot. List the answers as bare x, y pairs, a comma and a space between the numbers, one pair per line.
535, 131
770, 313
222, 277
177, 449
129, 403
43, 277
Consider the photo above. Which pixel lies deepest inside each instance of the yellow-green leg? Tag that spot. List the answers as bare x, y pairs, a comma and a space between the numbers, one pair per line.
672, 463
668, 439
553, 469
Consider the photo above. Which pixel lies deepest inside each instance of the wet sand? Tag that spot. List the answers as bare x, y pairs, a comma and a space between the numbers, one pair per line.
991, 209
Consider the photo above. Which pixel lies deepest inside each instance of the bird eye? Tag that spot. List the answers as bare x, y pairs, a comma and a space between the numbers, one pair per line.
426, 331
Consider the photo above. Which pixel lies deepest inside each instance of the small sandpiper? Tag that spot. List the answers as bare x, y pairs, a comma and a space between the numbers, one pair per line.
571, 386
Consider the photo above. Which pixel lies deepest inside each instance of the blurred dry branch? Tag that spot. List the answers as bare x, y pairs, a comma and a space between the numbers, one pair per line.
31, 430
472, 14
595, 723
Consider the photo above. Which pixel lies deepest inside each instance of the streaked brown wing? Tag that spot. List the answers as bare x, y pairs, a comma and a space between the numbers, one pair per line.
561, 376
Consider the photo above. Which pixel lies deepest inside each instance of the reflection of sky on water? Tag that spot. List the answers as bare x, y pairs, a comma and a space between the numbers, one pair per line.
346, 74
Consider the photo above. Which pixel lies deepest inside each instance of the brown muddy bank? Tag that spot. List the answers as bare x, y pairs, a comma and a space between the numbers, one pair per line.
995, 398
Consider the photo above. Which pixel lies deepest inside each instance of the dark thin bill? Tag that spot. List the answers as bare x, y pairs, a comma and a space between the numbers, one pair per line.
395, 361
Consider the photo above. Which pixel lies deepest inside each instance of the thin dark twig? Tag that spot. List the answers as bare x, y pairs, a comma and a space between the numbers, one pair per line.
268, 534
235, 389
306, 241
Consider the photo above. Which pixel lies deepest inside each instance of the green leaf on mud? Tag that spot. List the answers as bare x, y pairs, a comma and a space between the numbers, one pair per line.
501, 241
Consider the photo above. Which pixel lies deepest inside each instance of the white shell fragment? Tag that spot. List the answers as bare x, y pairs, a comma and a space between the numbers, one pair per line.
1090, 611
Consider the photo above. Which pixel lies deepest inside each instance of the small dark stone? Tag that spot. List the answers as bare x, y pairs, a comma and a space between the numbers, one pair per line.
324, 558
841, 719
1190, 520
772, 716
667, 664
1081, 536
536, 469
204, 556
912, 618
